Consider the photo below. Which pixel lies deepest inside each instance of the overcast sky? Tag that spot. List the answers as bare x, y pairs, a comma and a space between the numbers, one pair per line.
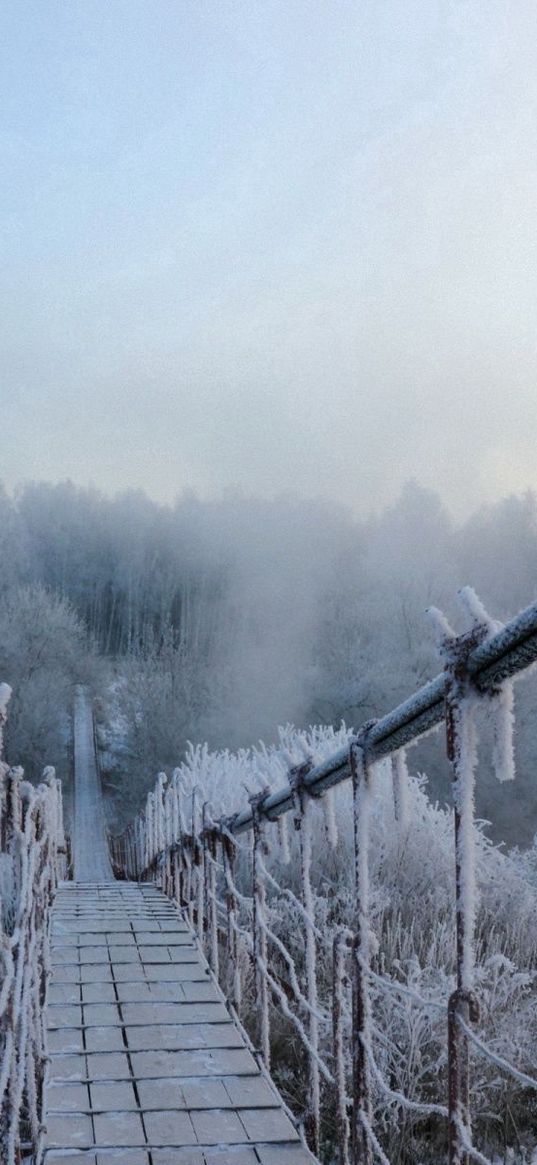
272, 245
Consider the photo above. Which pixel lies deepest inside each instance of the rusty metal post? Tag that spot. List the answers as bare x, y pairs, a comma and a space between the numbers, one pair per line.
209, 837
205, 846
198, 867
462, 755
14, 807
259, 933
361, 1006
301, 824
339, 955
229, 850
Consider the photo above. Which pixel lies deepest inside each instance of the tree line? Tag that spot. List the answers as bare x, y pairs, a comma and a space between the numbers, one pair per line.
219, 620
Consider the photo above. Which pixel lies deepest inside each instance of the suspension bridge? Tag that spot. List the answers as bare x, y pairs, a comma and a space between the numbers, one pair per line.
147, 1067
124, 987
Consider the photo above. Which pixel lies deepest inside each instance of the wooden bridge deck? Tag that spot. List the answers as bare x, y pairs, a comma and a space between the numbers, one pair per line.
146, 1065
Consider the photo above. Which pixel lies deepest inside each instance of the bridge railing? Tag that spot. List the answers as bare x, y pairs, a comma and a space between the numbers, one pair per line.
230, 895
32, 860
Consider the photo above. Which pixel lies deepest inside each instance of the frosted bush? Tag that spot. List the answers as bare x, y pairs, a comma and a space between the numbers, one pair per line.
411, 864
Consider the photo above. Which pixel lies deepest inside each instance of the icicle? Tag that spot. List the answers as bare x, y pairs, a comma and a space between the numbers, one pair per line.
503, 757
400, 781
329, 808
502, 701
5, 696
283, 839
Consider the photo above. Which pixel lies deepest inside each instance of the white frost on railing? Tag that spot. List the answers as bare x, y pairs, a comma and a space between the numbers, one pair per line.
32, 855
235, 901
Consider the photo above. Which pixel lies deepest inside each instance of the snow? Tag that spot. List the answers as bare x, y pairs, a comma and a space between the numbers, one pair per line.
36, 866
443, 630
405, 923
5, 696
477, 614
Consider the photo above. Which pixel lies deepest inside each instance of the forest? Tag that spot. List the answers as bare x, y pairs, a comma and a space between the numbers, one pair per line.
223, 642
219, 621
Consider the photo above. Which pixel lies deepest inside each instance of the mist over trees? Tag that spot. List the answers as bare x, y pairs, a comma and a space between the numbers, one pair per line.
219, 620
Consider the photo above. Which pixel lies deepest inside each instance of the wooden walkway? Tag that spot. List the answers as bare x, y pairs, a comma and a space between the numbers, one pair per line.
90, 848
146, 1065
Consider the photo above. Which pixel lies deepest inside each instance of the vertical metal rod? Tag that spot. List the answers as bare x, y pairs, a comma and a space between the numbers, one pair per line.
199, 867
340, 949
462, 755
259, 936
211, 914
228, 861
302, 826
206, 892
361, 1007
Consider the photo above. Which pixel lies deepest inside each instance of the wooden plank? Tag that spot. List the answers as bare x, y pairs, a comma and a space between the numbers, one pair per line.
146, 1065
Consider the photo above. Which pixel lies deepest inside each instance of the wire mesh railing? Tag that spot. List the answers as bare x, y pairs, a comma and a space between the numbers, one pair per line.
325, 981
32, 861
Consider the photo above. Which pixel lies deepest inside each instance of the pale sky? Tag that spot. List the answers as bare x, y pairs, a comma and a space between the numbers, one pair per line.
270, 245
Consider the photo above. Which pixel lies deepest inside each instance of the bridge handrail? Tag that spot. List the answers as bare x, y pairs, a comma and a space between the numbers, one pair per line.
194, 863
508, 652
32, 861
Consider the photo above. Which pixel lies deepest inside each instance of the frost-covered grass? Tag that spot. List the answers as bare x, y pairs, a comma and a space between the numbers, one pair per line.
413, 926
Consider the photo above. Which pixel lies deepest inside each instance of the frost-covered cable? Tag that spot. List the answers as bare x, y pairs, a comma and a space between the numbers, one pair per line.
301, 999
466, 1143
372, 1140
284, 1004
287, 893
387, 985
421, 1107
495, 1058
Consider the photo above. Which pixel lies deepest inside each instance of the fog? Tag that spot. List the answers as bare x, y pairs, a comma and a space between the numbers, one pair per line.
219, 621
268, 367
263, 266
272, 246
